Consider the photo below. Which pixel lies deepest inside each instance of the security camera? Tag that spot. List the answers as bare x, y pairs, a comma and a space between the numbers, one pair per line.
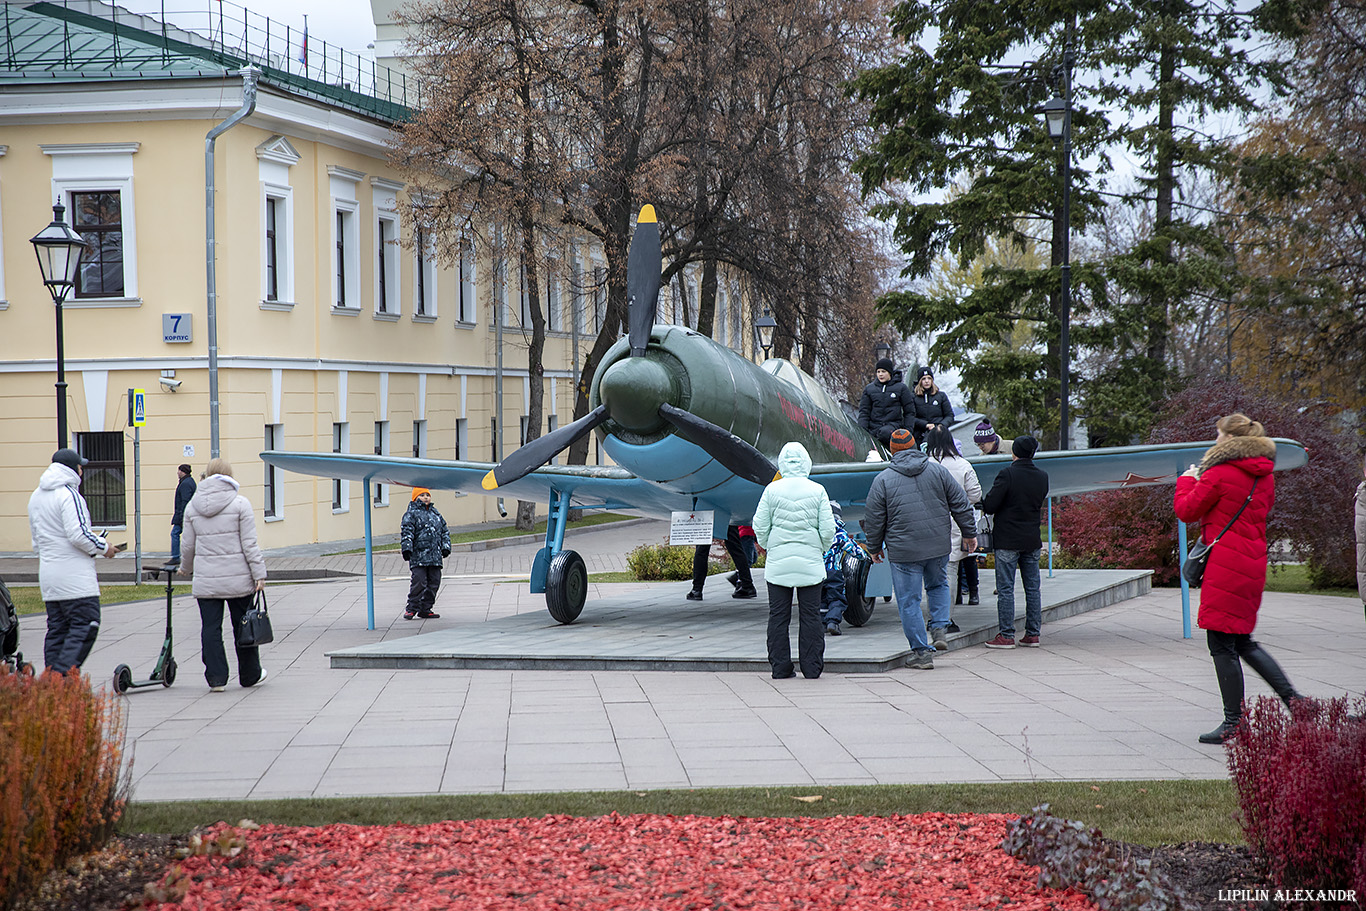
170, 384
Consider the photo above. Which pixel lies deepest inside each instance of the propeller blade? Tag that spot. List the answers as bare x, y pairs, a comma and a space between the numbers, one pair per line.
533, 455
643, 266
722, 445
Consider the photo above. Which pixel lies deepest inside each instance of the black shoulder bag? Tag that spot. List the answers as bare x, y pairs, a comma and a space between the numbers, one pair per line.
255, 629
1193, 570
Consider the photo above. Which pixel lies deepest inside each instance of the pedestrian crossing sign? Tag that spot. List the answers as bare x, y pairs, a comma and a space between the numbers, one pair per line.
137, 407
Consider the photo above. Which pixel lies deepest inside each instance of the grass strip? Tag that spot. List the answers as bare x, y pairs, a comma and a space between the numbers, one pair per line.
1142, 812
509, 531
1293, 578
29, 600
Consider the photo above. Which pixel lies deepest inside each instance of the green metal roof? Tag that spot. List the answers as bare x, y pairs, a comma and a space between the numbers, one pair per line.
87, 40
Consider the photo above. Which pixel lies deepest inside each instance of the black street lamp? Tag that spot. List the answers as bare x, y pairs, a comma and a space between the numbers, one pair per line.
765, 326
880, 350
59, 250
1057, 115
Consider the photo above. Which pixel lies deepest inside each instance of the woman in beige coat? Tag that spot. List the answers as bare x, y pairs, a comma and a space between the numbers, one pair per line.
218, 545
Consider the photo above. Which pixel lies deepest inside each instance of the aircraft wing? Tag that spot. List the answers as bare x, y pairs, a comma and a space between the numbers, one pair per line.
1069, 471
586, 485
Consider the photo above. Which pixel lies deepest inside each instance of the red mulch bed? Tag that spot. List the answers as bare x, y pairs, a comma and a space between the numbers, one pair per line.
933, 860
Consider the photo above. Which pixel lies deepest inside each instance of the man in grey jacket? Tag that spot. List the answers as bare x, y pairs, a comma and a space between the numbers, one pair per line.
909, 508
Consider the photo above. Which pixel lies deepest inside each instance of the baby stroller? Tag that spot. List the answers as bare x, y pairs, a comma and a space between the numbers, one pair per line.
9, 634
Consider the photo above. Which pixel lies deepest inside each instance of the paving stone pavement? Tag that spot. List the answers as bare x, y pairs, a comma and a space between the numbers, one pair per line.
1114, 693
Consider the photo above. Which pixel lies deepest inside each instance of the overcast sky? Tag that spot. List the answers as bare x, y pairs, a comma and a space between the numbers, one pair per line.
345, 23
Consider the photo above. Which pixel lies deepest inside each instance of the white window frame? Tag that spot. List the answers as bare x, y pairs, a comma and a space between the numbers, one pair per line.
721, 325
424, 277
576, 295
94, 167
467, 310
341, 489
349, 214
554, 309
420, 439
462, 439
284, 246
4, 302
380, 494
524, 296
271, 493
388, 303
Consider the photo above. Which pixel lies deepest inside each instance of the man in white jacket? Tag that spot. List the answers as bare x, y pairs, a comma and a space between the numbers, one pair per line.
59, 525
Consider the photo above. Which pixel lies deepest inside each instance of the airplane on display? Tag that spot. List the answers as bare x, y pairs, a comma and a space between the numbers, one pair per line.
693, 426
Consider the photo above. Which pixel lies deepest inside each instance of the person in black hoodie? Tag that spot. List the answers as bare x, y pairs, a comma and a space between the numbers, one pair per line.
886, 405
184, 492
932, 408
1016, 500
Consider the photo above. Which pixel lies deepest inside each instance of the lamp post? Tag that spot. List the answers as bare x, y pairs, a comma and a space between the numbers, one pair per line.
880, 350
764, 327
59, 250
1058, 116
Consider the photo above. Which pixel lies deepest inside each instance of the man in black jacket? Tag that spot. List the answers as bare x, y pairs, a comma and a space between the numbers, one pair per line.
1016, 500
184, 492
886, 406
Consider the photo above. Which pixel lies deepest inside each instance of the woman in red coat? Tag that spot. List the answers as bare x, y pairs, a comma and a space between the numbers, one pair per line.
1212, 493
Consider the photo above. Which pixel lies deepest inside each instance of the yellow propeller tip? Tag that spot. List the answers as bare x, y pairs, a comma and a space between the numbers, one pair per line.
647, 215
489, 483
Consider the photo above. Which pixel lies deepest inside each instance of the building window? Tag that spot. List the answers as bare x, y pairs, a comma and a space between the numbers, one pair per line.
341, 490
273, 205
424, 283
386, 266
102, 481
381, 492
98, 217
554, 318
275, 437
526, 426
346, 256
599, 297
576, 297
552, 424
722, 319
419, 439
467, 314
525, 314
462, 438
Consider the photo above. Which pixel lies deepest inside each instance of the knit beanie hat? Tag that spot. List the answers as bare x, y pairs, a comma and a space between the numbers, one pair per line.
985, 434
1025, 447
902, 439
924, 372
886, 364
417, 492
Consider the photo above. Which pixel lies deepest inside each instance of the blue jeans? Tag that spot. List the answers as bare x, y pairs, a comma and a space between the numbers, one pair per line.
907, 581
833, 600
1028, 562
175, 543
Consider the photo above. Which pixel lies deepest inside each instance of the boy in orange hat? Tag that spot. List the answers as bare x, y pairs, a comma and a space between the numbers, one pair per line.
425, 542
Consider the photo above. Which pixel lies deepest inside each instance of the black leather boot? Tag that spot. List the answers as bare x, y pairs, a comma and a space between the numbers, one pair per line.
1230, 675
1267, 668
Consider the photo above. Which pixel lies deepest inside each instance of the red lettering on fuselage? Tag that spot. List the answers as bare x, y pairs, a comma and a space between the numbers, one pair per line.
816, 423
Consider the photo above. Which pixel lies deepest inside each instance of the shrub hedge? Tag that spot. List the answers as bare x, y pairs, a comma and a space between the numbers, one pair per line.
63, 785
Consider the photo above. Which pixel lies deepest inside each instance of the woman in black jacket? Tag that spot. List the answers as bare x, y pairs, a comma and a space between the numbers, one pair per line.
886, 404
932, 408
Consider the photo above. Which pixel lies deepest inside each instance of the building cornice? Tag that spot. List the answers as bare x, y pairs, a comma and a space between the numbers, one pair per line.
269, 363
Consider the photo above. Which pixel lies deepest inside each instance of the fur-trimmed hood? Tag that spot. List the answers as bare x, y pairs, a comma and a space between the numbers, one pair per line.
1234, 449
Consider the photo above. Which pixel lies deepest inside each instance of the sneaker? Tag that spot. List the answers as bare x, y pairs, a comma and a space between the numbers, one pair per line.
745, 592
734, 579
921, 661
1002, 641
973, 599
952, 628
218, 689
940, 638
1029, 642
409, 614
261, 679
791, 672
833, 629
695, 595
429, 615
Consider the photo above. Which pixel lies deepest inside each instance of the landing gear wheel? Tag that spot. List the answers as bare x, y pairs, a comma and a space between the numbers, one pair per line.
123, 678
168, 675
566, 586
860, 607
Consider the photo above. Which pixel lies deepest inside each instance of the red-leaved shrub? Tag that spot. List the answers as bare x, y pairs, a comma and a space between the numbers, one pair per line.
62, 781
1301, 786
1136, 528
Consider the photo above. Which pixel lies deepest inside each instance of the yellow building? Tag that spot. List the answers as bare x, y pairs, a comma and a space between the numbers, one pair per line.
331, 333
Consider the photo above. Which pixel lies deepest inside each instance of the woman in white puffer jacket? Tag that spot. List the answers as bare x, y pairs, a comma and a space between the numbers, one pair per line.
218, 545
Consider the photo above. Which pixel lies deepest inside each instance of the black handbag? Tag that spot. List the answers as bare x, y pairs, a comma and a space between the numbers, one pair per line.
1193, 569
255, 627
985, 536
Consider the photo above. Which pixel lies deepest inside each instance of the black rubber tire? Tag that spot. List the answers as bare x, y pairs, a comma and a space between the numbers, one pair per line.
123, 678
566, 586
168, 673
860, 608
